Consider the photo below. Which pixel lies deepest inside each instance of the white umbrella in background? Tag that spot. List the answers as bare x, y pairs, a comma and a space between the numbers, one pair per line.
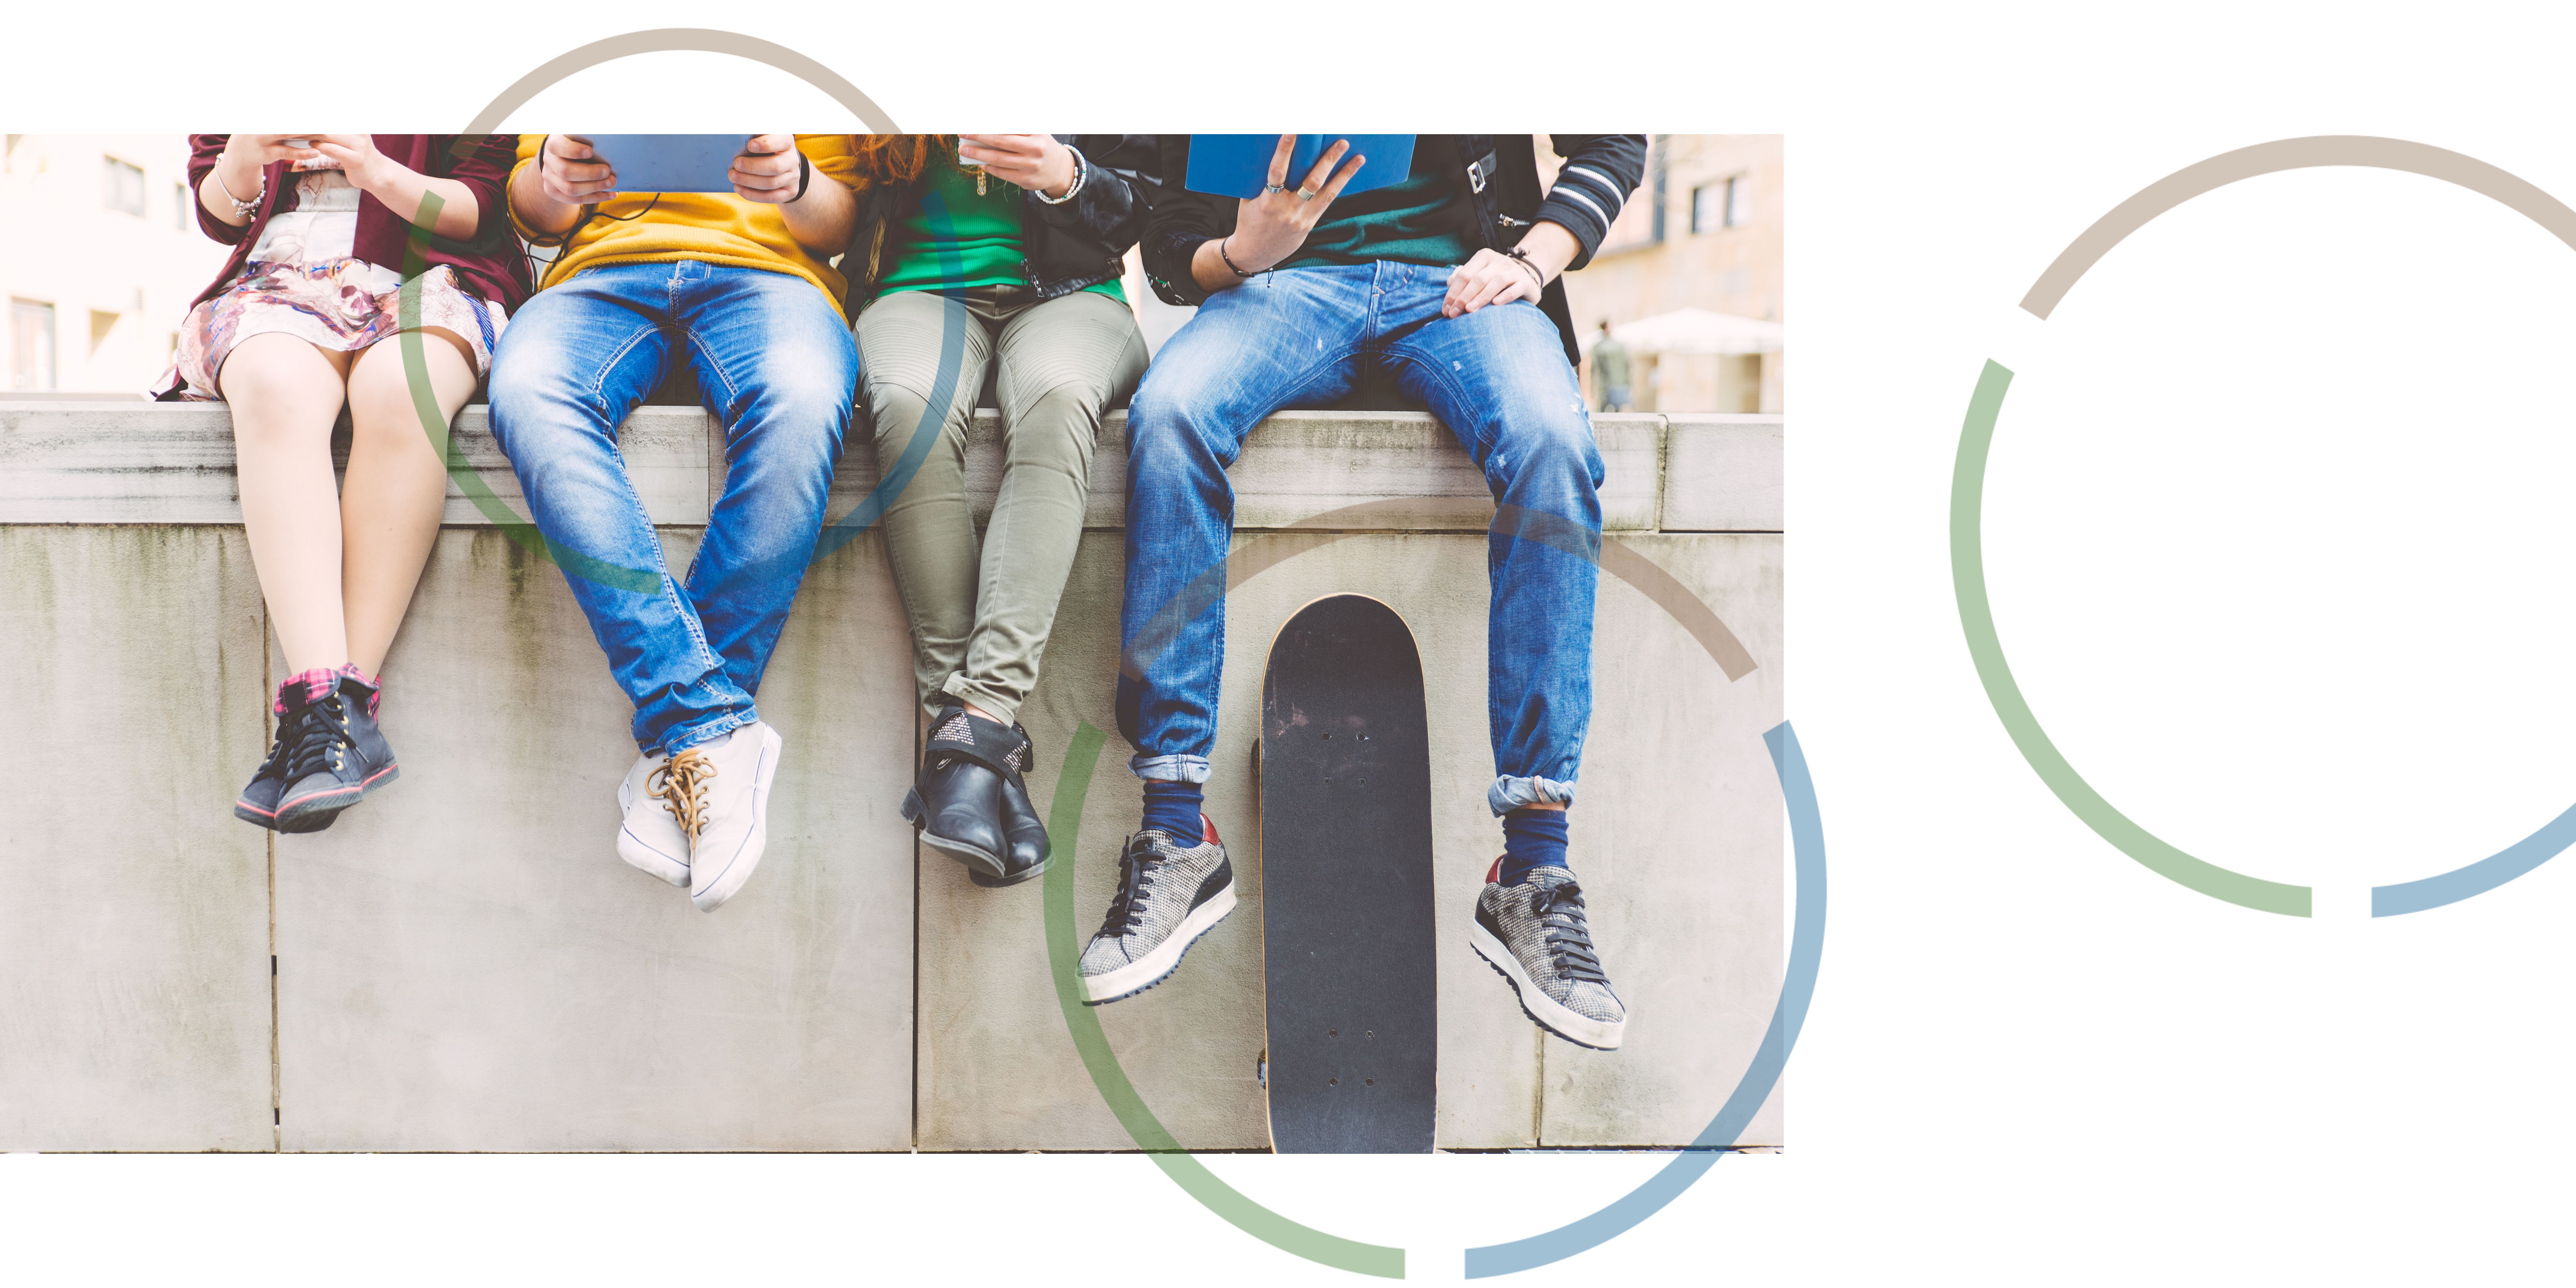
1695, 331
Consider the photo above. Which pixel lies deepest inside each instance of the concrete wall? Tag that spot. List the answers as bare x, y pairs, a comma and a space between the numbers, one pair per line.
464, 964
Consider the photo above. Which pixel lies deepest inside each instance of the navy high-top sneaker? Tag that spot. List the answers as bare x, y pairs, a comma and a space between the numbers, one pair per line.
337, 755
258, 801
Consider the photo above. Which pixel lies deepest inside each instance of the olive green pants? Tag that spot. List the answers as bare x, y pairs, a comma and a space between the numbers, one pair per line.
980, 620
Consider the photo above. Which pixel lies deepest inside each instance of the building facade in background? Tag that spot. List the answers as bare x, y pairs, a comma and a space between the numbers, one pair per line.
1694, 264
104, 257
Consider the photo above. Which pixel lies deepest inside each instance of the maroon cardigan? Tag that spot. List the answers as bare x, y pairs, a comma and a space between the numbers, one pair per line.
489, 264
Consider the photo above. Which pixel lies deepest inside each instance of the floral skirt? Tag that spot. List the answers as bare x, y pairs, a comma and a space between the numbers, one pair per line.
328, 304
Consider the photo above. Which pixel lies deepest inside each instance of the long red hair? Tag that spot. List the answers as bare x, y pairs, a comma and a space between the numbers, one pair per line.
898, 159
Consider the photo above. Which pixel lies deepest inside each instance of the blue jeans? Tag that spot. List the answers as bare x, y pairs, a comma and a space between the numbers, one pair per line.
1496, 377
775, 363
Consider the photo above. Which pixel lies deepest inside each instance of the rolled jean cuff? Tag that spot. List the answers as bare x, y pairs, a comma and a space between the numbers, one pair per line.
1169, 769
1508, 793
679, 740
965, 690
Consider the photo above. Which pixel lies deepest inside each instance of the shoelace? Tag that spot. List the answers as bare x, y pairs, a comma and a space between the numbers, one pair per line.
681, 784
314, 738
1127, 911
1569, 940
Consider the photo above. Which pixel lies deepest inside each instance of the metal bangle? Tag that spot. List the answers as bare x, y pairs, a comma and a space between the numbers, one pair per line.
241, 207
1081, 171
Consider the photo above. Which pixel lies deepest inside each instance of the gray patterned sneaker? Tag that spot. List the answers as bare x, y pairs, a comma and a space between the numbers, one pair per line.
1168, 896
1535, 936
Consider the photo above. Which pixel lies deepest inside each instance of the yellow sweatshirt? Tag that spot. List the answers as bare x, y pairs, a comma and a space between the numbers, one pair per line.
718, 228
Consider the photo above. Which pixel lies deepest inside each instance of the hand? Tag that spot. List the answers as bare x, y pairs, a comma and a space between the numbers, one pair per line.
1491, 277
1270, 227
573, 174
355, 155
259, 151
1033, 161
766, 170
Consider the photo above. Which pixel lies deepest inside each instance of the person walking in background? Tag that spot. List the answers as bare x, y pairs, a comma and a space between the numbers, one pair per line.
324, 228
975, 250
1609, 362
1445, 280
737, 287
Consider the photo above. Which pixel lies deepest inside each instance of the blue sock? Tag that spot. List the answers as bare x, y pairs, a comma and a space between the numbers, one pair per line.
1173, 807
1532, 838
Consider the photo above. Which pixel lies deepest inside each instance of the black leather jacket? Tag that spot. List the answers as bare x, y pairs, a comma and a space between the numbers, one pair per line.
1070, 246
1498, 171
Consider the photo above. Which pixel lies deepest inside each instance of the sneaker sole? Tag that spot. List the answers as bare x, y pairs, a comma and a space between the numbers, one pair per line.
257, 817
729, 882
644, 858
1543, 1011
1158, 965
315, 812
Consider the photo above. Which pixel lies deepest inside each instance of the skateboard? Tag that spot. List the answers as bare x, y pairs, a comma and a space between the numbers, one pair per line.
1346, 933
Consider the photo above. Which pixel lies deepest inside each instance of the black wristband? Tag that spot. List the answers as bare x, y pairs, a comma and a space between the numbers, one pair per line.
804, 176
1229, 261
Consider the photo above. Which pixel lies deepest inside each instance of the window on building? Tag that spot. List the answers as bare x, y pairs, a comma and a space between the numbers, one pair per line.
101, 322
1728, 203
124, 186
31, 345
179, 206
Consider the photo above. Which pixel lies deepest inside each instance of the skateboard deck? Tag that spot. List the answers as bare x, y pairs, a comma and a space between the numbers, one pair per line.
1346, 884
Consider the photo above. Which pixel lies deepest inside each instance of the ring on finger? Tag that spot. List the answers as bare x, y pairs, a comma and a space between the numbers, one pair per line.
1305, 194
1274, 187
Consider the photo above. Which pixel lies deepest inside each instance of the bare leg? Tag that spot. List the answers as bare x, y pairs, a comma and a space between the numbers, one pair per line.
396, 486
284, 393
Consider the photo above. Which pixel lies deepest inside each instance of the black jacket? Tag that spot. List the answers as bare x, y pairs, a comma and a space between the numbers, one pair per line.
1080, 243
1498, 172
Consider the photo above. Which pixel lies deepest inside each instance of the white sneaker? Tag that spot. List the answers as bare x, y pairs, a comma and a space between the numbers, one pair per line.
730, 778
651, 840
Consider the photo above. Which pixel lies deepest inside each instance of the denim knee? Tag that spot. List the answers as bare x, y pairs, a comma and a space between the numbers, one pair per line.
1552, 447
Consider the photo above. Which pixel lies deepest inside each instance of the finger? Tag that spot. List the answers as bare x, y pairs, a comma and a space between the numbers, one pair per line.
569, 147
770, 144
1323, 171
1341, 178
1279, 160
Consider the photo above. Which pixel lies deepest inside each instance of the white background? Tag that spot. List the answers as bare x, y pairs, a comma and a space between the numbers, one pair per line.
2279, 548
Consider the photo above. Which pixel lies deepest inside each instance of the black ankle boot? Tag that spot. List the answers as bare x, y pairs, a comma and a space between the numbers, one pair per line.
966, 767
1021, 826
335, 754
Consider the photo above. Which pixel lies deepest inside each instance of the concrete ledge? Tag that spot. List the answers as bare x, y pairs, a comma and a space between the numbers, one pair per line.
1722, 474
464, 964
134, 462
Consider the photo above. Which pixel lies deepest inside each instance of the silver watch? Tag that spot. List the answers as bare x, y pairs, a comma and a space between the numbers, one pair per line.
1081, 171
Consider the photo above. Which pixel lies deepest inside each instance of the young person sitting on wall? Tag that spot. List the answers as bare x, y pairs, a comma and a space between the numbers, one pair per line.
1446, 282
323, 228
1013, 245
735, 286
